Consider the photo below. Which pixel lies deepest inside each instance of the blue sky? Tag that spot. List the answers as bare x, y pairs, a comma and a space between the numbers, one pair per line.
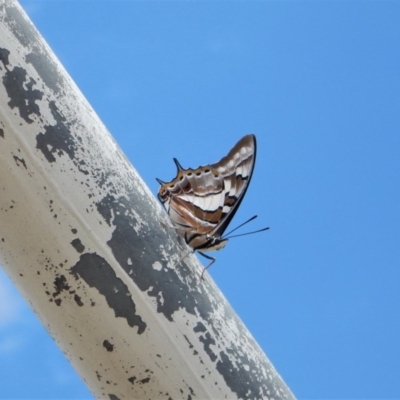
319, 85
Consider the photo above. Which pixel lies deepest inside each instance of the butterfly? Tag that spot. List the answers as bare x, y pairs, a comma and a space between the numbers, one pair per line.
201, 202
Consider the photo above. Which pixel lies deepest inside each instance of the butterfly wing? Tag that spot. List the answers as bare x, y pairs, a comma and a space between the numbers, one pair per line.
194, 199
236, 169
201, 202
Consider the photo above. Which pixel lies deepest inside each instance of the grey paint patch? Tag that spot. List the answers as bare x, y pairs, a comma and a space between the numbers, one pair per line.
108, 346
20, 89
199, 327
98, 376
56, 139
4, 53
208, 341
22, 30
19, 161
132, 379
77, 244
97, 273
22, 96
46, 71
39, 58
78, 300
60, 284
246, 385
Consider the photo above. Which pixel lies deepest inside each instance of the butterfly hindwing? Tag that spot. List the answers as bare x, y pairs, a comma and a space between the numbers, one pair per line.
194, 199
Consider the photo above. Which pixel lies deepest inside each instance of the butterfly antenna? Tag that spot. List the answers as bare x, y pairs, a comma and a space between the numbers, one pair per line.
244, 223
248, 233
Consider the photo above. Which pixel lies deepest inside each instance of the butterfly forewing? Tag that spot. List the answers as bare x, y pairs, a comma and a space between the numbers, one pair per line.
236, 169
201, 202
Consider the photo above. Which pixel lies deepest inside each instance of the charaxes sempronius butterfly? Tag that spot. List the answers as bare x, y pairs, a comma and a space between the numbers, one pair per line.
201, 202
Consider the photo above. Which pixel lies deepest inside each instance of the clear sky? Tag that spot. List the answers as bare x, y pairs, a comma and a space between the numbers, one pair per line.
318, 82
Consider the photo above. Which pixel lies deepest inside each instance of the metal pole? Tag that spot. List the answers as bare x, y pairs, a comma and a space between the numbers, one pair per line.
88, 246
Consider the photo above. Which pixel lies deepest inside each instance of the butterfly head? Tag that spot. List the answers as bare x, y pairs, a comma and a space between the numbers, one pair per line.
217, 243
206, 242
164, 191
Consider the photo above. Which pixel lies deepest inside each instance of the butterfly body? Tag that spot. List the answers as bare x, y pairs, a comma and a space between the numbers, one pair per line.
201, 202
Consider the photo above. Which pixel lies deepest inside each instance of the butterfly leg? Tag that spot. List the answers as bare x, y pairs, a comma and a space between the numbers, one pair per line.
209, 265
182, 258
167, 225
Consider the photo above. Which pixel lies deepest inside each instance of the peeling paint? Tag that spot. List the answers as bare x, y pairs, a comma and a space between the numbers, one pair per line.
4, 54
108, 346
97, 273
56, 139
179, 296
60, 284
20, 161
46, 71
125, 244
78, 246
20, 90
78, 300
23, 31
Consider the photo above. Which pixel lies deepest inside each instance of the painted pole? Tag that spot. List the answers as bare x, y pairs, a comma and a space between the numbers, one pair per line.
88, 246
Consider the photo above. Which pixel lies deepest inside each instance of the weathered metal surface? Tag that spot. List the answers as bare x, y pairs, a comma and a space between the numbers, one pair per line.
84, 240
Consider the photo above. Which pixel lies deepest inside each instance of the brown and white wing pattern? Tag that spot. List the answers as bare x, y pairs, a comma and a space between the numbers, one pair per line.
201, 202
236, 169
